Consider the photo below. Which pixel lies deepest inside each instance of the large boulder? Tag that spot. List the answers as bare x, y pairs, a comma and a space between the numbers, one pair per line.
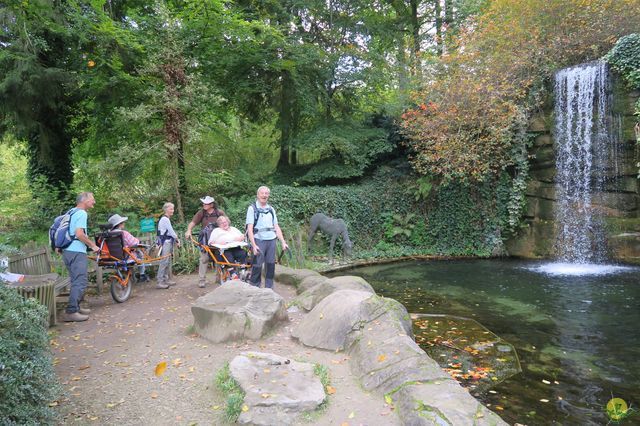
310, 282
331, 323
292, 276
237, 311
277, 389
310, 298
441, 402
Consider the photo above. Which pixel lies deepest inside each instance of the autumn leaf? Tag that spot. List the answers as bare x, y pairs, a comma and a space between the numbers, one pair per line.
382, 358
351, 415
245, 408
160, 368
330, 390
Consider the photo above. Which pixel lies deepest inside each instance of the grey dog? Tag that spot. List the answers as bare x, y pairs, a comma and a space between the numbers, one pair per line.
333, 227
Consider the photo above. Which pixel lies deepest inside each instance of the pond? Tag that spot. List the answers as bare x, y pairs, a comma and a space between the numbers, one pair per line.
577, 336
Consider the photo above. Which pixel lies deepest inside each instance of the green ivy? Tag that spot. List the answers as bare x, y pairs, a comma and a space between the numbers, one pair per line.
625, 59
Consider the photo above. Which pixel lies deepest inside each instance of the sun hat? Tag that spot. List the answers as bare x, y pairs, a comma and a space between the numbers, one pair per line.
116, 220
207, 200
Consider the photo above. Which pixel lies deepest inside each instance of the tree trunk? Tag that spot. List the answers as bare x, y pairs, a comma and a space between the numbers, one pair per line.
174, 77
416, 66
448, 20
439, 35
286, 120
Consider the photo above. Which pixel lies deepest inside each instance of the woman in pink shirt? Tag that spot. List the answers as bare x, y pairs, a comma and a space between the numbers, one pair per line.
117, 224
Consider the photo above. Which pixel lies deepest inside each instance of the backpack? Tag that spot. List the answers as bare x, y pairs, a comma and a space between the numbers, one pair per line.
162, 238
204, 234
59, 237
256, 215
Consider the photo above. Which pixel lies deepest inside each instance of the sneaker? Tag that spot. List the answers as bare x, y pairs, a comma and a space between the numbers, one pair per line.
234, 277
201, 284
84, 311
75, 317
162, 286
143, 278
170, 283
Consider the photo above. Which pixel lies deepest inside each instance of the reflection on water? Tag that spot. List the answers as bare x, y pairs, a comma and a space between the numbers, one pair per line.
577, 335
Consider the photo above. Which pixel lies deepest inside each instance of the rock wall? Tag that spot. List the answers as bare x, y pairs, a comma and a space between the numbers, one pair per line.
620, 202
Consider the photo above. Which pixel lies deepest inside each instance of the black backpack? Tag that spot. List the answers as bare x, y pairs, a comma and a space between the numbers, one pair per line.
205, 233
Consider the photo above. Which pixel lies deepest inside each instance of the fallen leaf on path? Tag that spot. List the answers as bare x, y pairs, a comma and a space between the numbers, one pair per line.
330, 390
351, 415
154, 395
245, 408
382, 358
160, 368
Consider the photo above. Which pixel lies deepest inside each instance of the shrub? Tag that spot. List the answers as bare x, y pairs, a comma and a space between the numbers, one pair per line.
27, 380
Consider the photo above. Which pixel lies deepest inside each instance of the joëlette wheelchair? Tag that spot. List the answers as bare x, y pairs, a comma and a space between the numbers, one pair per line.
122, 260
223, 265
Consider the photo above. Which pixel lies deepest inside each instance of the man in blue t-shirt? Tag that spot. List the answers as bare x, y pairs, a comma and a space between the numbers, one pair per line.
262, 235
75, 257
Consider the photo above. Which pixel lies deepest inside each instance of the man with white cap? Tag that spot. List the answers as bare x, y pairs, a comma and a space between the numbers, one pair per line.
208, 214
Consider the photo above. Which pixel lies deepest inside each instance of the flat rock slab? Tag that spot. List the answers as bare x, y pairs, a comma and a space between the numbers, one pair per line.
237, 311
277, 389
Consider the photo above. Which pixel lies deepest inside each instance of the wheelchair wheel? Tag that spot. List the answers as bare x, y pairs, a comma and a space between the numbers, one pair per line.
120, 286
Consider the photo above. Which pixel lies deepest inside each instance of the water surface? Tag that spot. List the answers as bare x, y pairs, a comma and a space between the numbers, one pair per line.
580, 333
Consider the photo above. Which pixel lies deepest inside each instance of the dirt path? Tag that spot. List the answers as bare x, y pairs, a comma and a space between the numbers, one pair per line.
106, 365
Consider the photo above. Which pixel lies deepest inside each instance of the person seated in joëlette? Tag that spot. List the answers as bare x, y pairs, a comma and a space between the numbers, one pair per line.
117, 224
231, 240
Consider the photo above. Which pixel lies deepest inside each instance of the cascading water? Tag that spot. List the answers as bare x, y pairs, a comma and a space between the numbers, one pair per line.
587, 143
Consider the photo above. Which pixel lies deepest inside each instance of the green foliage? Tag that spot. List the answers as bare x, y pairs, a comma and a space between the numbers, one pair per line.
362, 207
27, 379
232, 392
344, 150
400, 227
624, 57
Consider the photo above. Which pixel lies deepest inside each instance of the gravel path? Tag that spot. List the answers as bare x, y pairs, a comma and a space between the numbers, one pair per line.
106, 365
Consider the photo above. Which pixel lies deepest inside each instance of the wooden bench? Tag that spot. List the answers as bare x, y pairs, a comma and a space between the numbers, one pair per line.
40, 281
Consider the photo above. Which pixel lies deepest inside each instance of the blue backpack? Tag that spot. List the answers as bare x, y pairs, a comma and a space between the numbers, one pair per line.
59, 236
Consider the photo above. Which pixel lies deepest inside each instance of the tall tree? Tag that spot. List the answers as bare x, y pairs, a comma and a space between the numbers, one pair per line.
37, 83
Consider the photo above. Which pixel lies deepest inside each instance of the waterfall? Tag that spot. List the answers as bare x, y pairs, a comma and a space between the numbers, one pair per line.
587, 143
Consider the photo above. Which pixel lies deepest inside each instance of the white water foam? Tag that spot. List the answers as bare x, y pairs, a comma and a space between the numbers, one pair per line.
579, 269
